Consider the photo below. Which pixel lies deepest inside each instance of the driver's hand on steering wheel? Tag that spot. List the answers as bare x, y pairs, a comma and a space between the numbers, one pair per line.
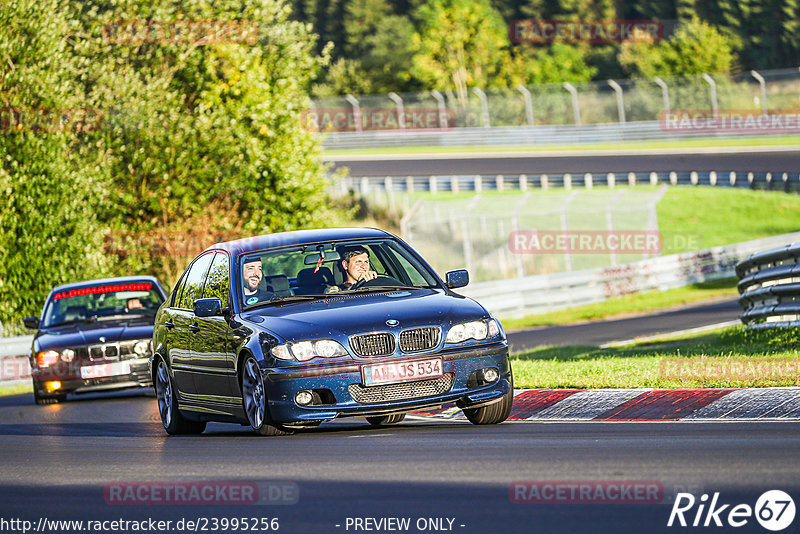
368, 275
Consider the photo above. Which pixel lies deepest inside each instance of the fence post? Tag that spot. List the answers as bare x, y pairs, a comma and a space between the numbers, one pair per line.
693, 177
432, 185
587, 179
484, 107
410, 184
763, 84
611, 178
732, 177
653, 178
389, 187
576, 109
673, 178
526, 94
523, 182
442, 112
499, 182
478, 183
401, 114
712, 177
454, 183
664, 93
713, 85
620, 102
631, 179
353, 101
568, 181
545, 184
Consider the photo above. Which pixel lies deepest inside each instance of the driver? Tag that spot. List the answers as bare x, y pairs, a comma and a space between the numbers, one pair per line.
355, 264
252, 273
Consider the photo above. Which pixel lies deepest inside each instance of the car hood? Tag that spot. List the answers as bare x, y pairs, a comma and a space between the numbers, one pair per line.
356, 313
89, 334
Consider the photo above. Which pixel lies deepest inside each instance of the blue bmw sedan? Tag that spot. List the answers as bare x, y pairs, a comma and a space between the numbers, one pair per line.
290, 330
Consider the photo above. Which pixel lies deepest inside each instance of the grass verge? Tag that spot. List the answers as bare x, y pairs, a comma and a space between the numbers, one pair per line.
731, 357
16, 389
630, 304
633, 145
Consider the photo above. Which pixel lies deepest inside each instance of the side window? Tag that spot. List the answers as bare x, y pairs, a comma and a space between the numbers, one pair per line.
193, 285
217, 282
175, 298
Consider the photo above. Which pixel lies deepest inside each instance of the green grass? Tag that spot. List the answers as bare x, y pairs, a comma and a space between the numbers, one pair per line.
630, 304
732, 357
16, 389
632, 145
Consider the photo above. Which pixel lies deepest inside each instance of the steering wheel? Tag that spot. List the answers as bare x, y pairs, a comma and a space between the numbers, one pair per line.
380, 280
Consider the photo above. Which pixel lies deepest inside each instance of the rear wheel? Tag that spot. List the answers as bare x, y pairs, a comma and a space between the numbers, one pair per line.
254, 400
174, 423
492, 413
381, 420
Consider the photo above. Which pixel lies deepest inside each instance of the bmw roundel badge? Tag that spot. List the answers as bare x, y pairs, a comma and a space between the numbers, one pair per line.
392, 322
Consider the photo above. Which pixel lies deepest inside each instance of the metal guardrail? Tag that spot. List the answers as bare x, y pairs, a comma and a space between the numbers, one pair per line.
565, 134
542, 293
769, 285
788, 182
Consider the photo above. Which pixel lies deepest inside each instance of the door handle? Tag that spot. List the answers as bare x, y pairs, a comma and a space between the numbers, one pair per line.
194, 328
169, 324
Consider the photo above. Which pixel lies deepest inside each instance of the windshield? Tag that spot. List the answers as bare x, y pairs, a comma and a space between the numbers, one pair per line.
303, 272
134, 299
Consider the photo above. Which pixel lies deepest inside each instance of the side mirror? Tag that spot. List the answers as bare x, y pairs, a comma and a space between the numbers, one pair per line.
208, 307
458, 278
31, 322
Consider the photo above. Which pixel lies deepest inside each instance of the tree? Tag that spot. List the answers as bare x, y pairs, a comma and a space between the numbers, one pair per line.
696, 47
50, 177
460, 44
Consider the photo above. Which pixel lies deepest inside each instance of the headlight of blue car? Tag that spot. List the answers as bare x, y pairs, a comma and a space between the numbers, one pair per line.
477, 330
303, 351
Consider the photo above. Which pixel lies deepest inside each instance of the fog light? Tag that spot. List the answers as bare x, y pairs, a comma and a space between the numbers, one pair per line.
52, 386
490, 374
304, 397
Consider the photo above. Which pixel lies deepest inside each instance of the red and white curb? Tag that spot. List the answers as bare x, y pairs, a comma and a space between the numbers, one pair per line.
645, 405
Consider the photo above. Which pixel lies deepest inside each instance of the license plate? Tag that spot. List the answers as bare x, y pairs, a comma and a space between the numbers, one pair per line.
106, 369
390, 373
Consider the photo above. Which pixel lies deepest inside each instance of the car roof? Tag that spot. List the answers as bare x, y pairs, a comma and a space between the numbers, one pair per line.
297, 237
107, 281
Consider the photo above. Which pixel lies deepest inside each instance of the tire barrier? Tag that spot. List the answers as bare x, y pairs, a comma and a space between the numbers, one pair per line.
769, 285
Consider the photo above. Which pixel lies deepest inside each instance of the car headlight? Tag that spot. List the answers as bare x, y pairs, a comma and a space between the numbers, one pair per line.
477, 330
302, 351
47, 358
142, 348
67, 355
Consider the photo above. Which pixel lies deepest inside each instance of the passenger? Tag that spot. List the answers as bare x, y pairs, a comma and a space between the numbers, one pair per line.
355, 265
252, 274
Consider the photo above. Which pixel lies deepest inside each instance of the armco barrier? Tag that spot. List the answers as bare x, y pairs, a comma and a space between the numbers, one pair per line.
541, 293
769, 285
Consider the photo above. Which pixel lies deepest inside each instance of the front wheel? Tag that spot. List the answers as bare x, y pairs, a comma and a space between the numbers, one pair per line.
493, 413
174, 423
45, 399
381, 420
254, 400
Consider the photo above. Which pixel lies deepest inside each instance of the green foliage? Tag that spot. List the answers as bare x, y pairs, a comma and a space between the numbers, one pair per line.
460, 44
559, 63
50, 179
696, 48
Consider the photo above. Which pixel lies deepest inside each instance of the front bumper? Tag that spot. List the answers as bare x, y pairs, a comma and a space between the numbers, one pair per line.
69, 376
283, 383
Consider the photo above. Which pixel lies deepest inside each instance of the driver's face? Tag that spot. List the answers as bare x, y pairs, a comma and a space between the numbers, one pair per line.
253, 272
356, 267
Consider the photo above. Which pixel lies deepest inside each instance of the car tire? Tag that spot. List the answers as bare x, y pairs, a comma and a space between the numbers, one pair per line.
383, 420
493, 413
254, 401
166, 397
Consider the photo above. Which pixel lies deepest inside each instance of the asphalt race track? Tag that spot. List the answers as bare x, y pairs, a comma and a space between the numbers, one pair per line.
599, 332
739, 160
60, 461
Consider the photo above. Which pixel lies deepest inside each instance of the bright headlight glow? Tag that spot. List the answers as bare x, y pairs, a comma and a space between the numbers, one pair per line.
142, 347
67, 355
477, 330
305, 350
47, 358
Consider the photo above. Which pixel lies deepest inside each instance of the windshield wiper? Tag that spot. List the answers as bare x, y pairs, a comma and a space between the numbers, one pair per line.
85, 320
284, 300
388, 288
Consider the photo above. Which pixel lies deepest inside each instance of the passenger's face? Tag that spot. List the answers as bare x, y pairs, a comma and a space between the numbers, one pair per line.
356, 267
252, 275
